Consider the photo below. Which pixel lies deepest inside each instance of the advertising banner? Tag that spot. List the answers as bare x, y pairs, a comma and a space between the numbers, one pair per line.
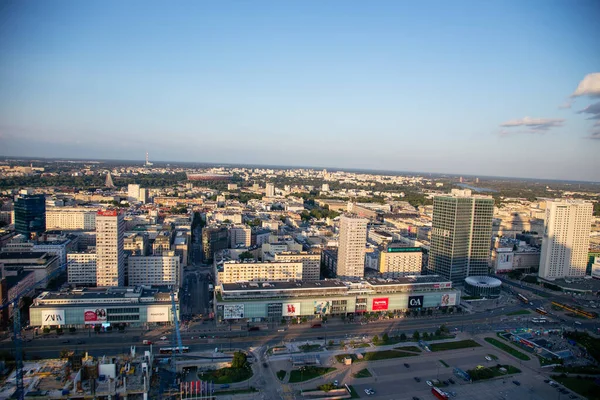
444, 285
290, 309
233, 311
53, 317
415, 301
158, 314
322, 306
448, 300
94, 316
380, 304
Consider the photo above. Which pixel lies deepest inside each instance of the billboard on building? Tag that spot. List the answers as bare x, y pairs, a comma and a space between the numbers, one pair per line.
448, 299
94, 316
415, 301
53, 317
443, 285
233, 311
158, 314
322, 306
290, 309
380, 304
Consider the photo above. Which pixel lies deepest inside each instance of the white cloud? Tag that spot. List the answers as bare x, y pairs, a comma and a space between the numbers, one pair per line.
589, 86
566, 104
535, 125
593, 109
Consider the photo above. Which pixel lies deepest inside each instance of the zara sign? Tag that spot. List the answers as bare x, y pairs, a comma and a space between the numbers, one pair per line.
53, 317
415, 301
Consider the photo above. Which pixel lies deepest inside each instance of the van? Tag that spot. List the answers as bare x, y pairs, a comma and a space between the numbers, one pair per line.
577, 323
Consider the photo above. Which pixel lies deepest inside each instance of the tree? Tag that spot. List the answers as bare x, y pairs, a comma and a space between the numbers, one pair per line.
385, 338
438, 332
403, 336
246, 255
425, 335
375, 339
444, 329
416, 335
65, 353
239, 360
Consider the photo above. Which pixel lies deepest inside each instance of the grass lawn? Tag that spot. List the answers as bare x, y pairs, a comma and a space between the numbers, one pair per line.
519, 312
281, 374
509, 349
585, 387
360, 345
227, 375
414, 349
583, 369
384, 355
462, 344
363, 373
479, 374
308, 373
444, 363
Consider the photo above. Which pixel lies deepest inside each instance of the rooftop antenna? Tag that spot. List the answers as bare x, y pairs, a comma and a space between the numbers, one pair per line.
148, 163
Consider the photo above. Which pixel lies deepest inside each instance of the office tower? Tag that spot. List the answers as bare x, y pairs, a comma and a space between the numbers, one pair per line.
270, 190
133, 192
352, 247
566, 239
30, 215
461, 235
110, 256
81, 268
143, 197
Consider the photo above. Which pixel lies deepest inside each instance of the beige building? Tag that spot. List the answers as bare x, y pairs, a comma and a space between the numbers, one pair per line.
70, 218
311, 262
236, 271
81, 268
566, 239
110, 260
163, 270
240, 235
352, 247
399, 261
136, 243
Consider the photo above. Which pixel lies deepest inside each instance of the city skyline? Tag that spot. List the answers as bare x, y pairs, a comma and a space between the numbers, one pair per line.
476, 89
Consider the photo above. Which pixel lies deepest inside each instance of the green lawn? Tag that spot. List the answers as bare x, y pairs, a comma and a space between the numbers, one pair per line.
444, 363
479, 374
299, 375
384, 355
363, 373
281, 374
509, 349
585, 387
583, 369
519, 312
414, 349
227, 375
462, 344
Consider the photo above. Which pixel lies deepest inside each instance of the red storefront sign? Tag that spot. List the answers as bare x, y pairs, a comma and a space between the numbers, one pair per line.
380, 304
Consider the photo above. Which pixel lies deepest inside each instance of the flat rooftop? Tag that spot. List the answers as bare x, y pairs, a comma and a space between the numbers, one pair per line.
16, 255
254, 286
579, 284
407, 280
105, 293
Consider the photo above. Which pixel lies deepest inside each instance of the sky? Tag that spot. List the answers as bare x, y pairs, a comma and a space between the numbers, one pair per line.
490, 88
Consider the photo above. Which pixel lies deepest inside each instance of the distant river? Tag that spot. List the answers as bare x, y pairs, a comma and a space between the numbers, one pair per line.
476, 189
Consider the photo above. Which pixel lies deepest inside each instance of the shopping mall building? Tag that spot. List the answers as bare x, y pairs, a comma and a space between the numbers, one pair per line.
272, 301
140, 306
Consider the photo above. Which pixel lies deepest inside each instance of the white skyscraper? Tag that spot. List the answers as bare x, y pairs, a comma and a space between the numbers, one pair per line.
566, 239
270, 190
133, 192
110, 258
352, 247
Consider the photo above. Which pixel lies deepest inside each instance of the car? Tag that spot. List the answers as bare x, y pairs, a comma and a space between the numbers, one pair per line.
417, 379
546, 380
488, 358
66, 341
265, 365
445, 383
226, 386
320, 338
564, 391
336, 383
281, 330
406, 365
517, 383
253, 329
369, 391
429, 383
572, 396
416, 398
451, 381
163, 338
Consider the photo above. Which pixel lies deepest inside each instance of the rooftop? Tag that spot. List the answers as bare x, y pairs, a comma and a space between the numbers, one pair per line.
407, 280
246, 286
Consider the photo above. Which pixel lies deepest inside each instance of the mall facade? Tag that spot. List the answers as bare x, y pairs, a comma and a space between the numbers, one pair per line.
140, 306
272, 301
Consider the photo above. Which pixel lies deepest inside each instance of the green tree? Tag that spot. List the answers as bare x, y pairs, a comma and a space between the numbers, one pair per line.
416, 335
403, 336
444, 329
375, 339
385, 338
239, 360
246, 255
438, 332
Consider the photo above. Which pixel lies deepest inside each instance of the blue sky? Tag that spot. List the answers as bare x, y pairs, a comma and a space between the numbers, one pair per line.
431, 86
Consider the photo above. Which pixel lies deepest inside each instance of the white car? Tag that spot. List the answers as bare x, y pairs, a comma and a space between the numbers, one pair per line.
429, 383
163, 338
369, 391
488, 358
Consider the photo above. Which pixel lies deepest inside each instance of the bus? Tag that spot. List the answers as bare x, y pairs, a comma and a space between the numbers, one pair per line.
540, 310
523, 298
440, 394
539, 320
171, 350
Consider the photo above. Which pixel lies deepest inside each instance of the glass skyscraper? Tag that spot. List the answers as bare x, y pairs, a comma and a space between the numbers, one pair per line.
461, 235
30, 215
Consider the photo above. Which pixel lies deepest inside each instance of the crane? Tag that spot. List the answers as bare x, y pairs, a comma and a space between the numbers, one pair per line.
176, 320
20, 392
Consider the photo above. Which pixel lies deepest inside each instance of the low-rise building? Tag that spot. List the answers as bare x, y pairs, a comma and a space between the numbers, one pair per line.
71, 218
230, 271
311, 262
398, 260
42, 264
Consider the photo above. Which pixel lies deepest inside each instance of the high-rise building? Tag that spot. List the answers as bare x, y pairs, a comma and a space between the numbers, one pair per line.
397, 260
461, 235
71, 218
155, 270
566, 239
110, 256
133, 192
214, 239
270, 190
81, 268
240, 235
30, 215
352, 247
